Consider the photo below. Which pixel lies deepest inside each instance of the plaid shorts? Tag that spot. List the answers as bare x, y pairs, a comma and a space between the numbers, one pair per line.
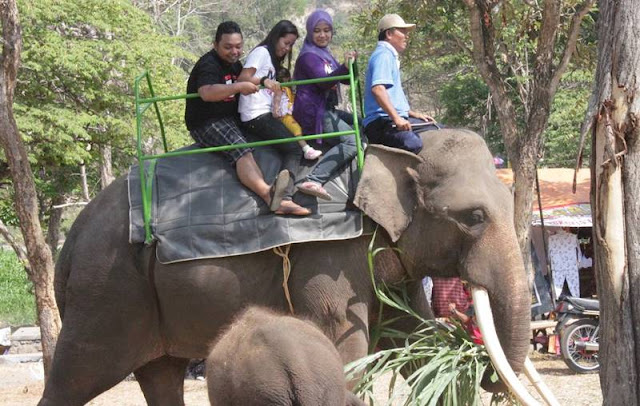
219, 132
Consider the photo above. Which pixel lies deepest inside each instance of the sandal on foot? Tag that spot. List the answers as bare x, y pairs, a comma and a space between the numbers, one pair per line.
314, 189
278, 188
289, 207
312, 154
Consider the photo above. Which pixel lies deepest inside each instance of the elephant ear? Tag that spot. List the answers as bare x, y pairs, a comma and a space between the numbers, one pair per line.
387, 188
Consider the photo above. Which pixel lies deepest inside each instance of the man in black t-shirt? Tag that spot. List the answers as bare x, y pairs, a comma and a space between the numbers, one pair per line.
212, 119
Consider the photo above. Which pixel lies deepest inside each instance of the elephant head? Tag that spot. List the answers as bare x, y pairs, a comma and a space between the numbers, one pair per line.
450, 216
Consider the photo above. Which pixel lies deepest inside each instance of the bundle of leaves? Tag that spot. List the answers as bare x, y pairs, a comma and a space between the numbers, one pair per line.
443, 366
440, 362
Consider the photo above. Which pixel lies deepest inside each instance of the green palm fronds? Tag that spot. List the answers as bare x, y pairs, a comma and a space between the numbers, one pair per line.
440, 362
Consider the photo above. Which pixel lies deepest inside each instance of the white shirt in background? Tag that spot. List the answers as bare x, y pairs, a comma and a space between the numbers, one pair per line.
563, 254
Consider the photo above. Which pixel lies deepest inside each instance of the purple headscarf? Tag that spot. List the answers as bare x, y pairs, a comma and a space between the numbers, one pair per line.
324, 53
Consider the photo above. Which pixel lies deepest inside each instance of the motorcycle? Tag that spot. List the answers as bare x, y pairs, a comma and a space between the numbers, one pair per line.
578, 327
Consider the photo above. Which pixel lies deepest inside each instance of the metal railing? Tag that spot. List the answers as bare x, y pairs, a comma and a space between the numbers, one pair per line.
143, 104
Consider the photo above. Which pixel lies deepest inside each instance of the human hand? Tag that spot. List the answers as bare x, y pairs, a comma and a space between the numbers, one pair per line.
402, 124
247, 88
424, 117
452, 308
272, 85
350, 56
275, 111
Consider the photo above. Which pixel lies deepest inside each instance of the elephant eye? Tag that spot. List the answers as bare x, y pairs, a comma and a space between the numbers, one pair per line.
473, 217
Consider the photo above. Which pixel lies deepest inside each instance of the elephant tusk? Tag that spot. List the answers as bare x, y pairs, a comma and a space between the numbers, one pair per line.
492, 344
538, 383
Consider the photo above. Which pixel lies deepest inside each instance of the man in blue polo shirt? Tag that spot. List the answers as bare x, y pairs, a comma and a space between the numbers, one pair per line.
388, 117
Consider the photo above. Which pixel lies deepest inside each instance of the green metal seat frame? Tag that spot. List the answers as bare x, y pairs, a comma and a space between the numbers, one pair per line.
142, 104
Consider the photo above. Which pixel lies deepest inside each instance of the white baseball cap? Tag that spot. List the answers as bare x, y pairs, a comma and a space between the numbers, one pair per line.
393, 21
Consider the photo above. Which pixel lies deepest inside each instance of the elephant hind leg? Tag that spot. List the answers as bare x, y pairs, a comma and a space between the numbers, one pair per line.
162, 381
80, 372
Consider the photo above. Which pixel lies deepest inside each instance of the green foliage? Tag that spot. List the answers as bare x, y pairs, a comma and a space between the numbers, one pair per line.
440, 77
466, 103
193, 22
74, 90
445, 366
257, 17
17, 301
7, 213
79, 61
563, 130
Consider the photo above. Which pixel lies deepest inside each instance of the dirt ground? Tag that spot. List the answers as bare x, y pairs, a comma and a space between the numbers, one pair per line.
21, 385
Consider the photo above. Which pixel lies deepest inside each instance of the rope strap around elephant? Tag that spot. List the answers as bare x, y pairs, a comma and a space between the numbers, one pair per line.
286, 271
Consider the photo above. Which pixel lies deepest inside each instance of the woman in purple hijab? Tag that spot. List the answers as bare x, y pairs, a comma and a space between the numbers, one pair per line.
314, 108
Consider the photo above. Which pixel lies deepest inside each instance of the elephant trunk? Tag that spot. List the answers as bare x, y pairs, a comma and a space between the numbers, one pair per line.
495, 266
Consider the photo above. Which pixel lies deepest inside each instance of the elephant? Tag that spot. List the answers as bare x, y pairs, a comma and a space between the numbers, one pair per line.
267, 358
443, 211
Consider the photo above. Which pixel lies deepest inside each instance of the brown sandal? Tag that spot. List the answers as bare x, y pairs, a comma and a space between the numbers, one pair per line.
278, 188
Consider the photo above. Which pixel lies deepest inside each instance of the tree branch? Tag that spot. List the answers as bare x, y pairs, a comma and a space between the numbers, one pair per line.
483, 37
462, 46
546, 42
63, 205
570, 46
11, 45
586, 126
21, 253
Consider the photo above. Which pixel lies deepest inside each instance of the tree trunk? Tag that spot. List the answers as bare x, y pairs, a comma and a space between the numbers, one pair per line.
85, 183
523, 144
55, 218
26, 201
524, 177
615, 199
106, 167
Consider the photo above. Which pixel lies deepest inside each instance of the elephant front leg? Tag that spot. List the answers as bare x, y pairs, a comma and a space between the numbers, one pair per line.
351, 333
346, 325
334, 292
348, 329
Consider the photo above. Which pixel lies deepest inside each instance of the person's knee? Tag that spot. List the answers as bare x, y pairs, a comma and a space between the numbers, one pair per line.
349, 140
413, 143
349, 146
241, 158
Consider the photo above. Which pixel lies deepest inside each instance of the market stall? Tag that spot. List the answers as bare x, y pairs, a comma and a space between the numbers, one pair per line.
560, 235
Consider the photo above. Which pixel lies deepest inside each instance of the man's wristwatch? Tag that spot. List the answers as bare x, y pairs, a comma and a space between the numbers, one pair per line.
262, 79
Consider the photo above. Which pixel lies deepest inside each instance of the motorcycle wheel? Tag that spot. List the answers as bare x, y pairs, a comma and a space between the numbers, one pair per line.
577, 359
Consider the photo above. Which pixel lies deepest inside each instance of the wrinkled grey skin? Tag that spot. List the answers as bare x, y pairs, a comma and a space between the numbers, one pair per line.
271, 359
444, 210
